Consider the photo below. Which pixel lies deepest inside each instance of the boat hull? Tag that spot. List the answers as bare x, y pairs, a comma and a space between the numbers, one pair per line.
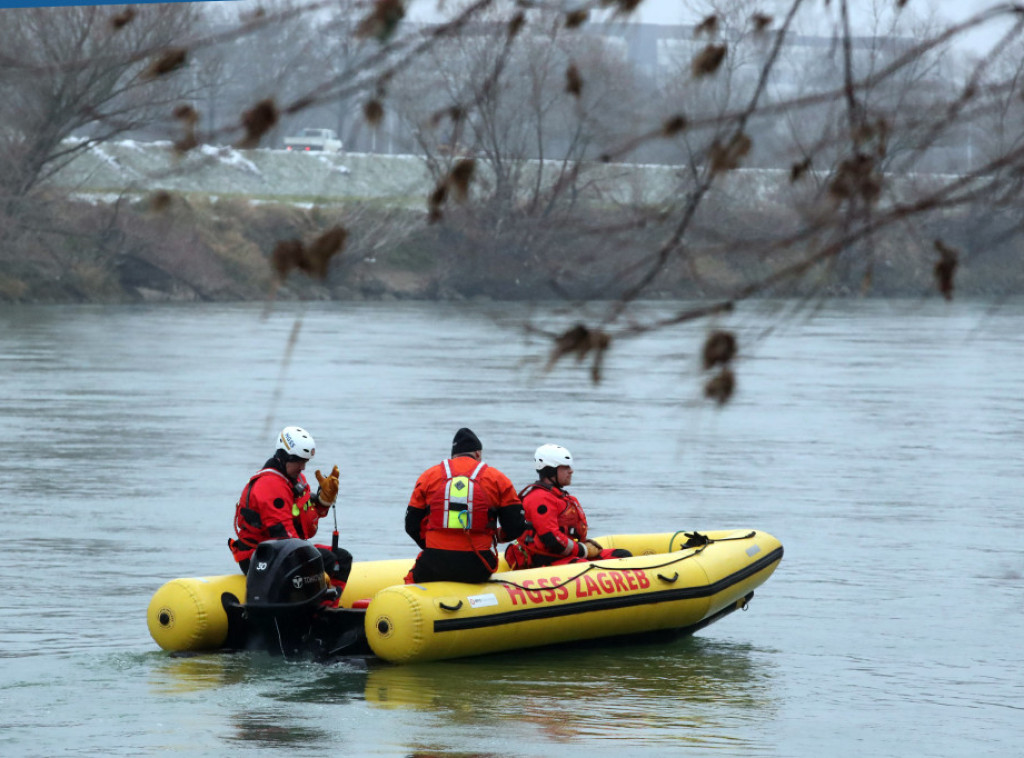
663, 586
680, 590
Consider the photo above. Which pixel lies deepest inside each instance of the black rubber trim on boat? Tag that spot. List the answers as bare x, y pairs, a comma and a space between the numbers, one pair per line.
609, 603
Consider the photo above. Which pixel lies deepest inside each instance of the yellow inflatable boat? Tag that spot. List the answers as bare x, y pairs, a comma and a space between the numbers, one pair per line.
664, 586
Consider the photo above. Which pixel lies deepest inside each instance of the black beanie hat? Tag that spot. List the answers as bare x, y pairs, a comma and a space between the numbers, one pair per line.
465, 442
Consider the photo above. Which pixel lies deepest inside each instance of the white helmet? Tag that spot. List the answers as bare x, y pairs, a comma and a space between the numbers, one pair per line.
553, 456
297, 442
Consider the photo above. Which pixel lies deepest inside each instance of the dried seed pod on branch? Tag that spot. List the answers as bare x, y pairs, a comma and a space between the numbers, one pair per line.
720, 347
721, 386
382, 20
580, 341
314, 259
257, 121
708, 60
945, 268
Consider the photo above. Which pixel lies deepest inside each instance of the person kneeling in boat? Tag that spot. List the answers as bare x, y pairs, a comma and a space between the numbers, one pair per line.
459, 510
277, 504
556, 530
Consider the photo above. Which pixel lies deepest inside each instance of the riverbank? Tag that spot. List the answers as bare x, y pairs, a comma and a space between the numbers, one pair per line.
129, 222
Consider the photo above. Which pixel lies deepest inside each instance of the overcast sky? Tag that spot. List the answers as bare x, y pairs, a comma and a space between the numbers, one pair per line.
863, 11
814, 12
663, 11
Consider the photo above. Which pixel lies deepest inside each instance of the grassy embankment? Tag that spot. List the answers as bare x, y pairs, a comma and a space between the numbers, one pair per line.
195, 239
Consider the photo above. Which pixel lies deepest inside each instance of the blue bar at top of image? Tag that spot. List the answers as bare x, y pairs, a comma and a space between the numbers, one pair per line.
65, 3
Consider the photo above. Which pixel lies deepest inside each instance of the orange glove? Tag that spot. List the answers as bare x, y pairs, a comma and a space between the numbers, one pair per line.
328, 487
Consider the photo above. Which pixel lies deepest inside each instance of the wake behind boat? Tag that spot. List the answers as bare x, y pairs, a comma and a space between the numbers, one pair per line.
672, 583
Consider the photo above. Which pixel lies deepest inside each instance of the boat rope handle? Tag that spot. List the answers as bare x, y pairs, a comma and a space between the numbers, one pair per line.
664, 578
450, 607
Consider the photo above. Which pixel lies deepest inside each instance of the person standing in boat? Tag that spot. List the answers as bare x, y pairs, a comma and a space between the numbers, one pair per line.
277, 504
556, 530
459, 510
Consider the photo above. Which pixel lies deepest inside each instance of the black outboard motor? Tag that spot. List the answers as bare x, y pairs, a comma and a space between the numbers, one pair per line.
284, 589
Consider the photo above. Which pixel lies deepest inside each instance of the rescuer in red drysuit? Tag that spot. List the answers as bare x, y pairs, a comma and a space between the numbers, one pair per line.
459, 510
556, 531
277, 504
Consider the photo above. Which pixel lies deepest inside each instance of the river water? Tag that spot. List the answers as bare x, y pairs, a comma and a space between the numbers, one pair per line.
881, 442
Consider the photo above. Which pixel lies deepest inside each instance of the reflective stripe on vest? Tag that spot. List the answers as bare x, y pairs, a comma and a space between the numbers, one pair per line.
458, 498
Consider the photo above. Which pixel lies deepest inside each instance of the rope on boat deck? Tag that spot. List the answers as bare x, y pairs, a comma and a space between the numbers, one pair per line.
746, 536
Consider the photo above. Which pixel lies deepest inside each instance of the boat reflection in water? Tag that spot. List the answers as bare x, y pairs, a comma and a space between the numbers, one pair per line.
603, 689
677, 689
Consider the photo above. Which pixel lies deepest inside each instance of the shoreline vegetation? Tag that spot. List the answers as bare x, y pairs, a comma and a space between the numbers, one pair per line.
135, 222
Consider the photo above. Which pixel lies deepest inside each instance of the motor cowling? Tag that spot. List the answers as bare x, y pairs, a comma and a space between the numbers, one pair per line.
284, 588
285, 576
